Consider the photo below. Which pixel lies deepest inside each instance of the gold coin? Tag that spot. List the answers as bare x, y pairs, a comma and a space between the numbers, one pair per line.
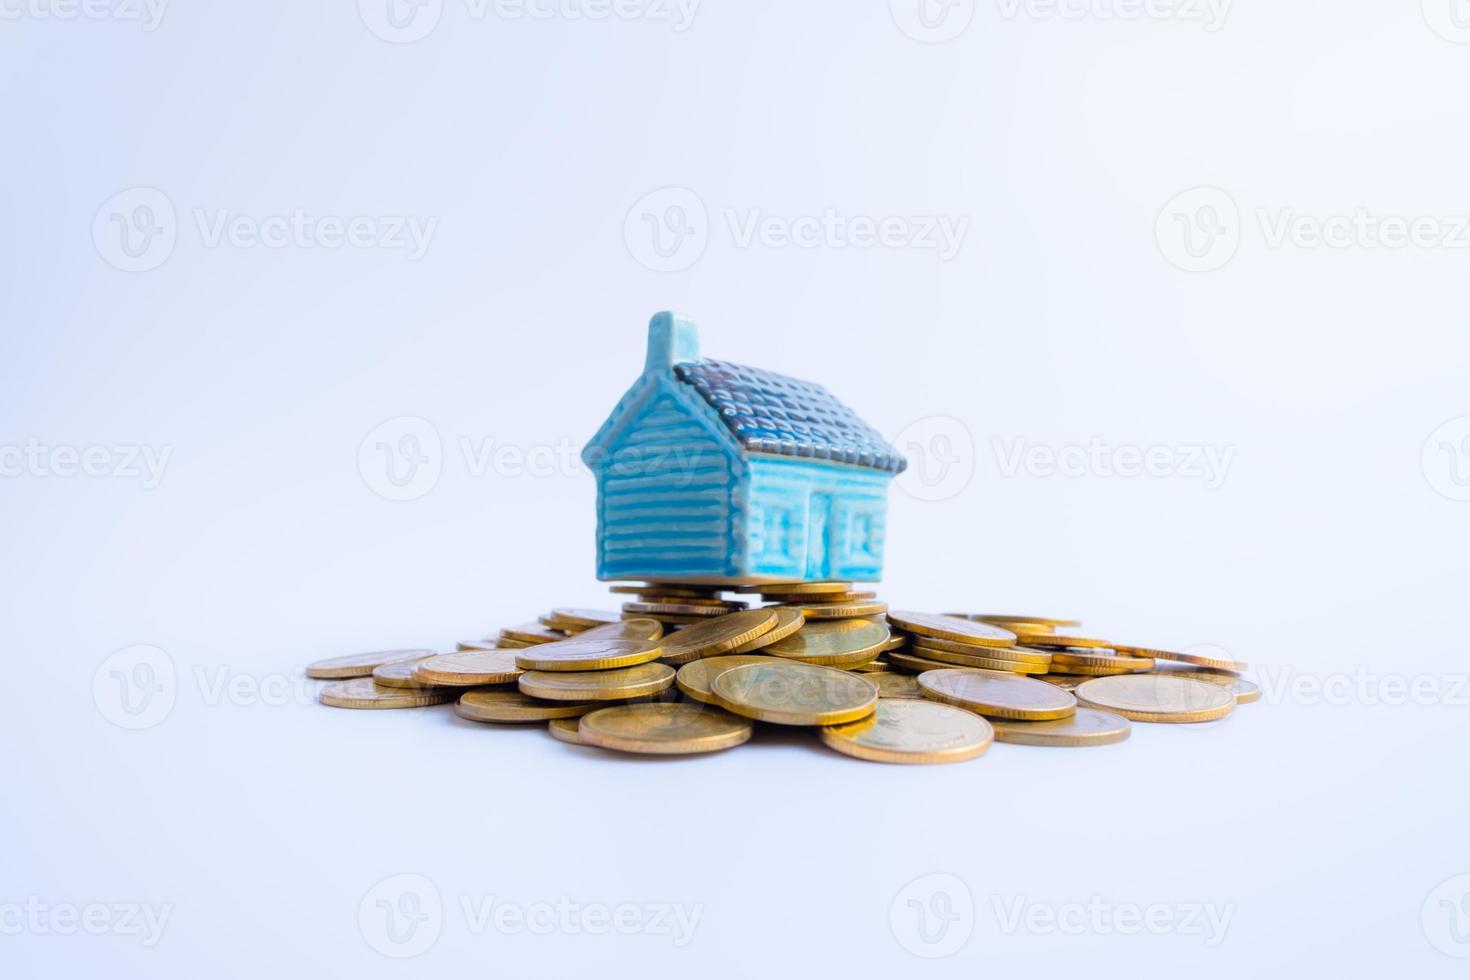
1091, 670
832, 643
513, 706
1049, 640
594, 654
1066, 682
397, 675
788, 621
913, 662
532, 633
826, 598
1245, 691
1023, 654
642, 630
996, 619
999, 695
845, 610
895, 640
567, 618
789, 693
895, 685
951, 628
681, 591
912, 732
361, 692
597, 685
678, 609
477, 645
1077, 656
1196, 659
360, 664
1158, 697
1087, 727
695, 677
871, 667
718, 636
664, 728
797, 588
507, 644
565, 730
468, 668
979, 659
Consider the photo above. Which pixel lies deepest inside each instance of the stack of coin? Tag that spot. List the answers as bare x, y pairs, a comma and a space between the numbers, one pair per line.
680, 669
676, 604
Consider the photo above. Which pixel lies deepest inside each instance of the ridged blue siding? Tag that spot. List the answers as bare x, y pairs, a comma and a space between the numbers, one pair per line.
668, 494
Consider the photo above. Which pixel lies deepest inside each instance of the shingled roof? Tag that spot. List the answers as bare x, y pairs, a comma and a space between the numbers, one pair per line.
771, 413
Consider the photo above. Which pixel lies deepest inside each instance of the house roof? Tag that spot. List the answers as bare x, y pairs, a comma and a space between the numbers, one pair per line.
768, 412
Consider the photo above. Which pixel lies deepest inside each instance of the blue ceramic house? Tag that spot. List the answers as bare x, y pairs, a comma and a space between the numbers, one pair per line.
718, 473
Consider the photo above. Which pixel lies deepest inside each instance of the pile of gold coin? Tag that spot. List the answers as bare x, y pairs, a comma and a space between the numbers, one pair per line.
680, 670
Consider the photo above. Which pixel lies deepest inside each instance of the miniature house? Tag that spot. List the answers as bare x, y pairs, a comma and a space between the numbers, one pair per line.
714, 472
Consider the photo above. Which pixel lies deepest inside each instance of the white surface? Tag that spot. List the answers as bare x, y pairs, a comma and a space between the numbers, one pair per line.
1329, 545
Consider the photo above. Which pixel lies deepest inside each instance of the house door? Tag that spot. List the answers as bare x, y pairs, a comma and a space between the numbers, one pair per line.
819, 537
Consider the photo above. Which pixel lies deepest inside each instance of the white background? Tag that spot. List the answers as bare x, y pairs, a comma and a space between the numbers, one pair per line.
1328, 551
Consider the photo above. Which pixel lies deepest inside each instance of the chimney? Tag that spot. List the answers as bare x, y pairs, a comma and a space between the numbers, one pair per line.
672, 339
